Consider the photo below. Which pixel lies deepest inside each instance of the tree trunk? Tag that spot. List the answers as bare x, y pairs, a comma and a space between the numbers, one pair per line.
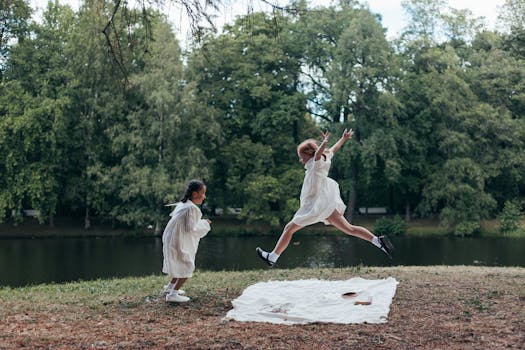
350, 207
51, 220
407, 212
87, 221
158, 229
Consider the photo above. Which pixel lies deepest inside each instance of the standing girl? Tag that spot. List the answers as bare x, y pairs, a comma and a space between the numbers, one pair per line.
321, 200
181, 237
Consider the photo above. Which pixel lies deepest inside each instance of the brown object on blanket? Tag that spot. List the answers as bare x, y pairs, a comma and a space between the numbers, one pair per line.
352, 295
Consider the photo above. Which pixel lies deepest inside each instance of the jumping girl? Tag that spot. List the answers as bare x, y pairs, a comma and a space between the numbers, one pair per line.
321, 199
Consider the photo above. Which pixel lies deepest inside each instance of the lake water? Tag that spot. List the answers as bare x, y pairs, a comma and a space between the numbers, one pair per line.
33, 261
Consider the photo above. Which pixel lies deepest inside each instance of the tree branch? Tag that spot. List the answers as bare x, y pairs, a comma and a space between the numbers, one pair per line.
108, 40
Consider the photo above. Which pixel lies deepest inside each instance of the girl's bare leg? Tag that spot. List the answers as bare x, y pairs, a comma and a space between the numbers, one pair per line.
286, 237
180, 282
176, 284
342, 224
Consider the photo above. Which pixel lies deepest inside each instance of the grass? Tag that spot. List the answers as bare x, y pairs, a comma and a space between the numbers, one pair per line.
98, 293
435, 307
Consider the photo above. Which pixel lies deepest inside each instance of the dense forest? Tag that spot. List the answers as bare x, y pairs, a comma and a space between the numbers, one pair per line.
109, 119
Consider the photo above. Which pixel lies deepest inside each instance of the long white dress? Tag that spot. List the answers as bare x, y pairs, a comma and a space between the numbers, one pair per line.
320, 195
180, 239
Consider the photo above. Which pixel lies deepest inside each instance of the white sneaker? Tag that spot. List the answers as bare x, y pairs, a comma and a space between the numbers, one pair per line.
176, 297
166, 290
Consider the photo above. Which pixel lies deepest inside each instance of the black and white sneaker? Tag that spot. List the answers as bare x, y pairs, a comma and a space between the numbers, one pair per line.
386, 246
264, 256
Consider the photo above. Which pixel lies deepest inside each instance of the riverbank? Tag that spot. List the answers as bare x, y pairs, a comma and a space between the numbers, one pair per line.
68, 227
460, 307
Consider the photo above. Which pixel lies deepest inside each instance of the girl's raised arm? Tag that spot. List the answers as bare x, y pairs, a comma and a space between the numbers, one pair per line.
347, 135
322, 146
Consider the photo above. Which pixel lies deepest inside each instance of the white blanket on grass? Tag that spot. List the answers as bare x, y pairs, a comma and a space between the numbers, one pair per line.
308, 301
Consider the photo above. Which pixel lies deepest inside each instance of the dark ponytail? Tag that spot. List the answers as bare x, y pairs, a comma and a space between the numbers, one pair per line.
193, 186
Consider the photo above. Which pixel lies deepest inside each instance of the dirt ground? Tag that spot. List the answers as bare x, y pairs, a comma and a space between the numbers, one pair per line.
434, 308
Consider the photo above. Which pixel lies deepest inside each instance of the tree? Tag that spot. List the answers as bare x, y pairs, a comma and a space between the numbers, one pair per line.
466, 138
36, 120
510, 217
201, 16
425, 18
512, 19
512, 15
496, 77
159, 143
14, 26
349, 72
248, 78
99, 104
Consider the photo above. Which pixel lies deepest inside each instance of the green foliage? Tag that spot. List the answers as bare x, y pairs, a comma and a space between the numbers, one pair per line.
35, 119
467, 228
248, 76
392, 226
438, 120
14, 21
510, 217
263, 194
272, 200
158, 144
458, 191
351, 80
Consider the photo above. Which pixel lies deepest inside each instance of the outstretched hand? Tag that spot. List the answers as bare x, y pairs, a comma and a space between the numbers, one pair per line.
325, 135
347, 134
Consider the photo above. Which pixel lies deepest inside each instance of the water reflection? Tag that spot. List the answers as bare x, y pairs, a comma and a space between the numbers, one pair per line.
31, 261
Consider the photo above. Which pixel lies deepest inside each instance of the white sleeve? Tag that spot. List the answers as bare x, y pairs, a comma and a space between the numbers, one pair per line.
198, 226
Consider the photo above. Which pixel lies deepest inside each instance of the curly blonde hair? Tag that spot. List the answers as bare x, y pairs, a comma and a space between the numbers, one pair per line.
308, 147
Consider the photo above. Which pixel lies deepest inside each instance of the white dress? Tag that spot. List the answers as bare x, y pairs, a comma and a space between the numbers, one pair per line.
320, 195
180, 239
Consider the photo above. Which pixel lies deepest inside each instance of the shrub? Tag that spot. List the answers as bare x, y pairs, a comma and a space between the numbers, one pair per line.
510, 217
392, 226
467, 228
